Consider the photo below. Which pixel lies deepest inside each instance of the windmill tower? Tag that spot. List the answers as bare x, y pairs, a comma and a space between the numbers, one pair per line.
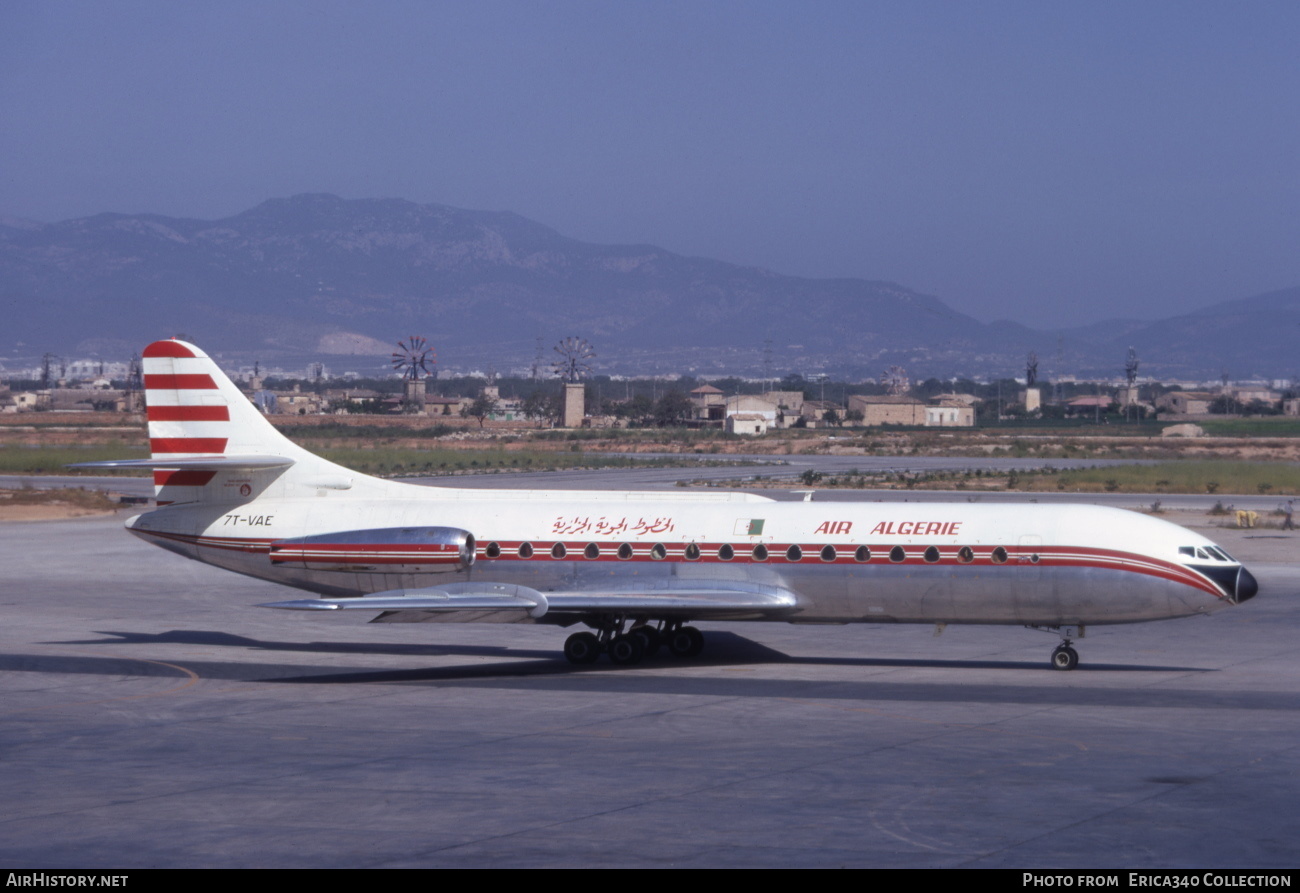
1033, 395
414, 360
1131, 394
134, 396
572, 367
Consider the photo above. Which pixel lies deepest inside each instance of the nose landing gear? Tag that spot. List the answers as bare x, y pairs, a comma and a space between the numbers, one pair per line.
1064, 657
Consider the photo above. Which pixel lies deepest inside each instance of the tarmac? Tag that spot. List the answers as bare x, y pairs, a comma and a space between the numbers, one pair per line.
151, 716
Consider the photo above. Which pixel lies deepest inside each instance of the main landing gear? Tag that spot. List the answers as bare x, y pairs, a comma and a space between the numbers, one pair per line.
638, 643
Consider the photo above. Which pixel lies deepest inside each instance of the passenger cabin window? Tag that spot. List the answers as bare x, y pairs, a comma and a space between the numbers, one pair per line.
492, 550
760, 552
966, 555
828, 553
658, 552
999, 555
692, 552
558, 550
897, 554
932, 554
862, 554
794, 553
525, 550
725, 552
592, 551
625, 551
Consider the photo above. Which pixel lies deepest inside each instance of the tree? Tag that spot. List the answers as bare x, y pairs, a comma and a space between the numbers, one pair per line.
481, 408
672, 408
541, 406
640, 409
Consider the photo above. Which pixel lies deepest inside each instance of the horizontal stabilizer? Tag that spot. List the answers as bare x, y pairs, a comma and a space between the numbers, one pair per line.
196, 463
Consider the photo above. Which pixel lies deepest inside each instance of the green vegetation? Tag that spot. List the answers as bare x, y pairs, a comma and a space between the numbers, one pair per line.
1263, 426
53, 459
1176, 477
92, 500
301, 433
398, 461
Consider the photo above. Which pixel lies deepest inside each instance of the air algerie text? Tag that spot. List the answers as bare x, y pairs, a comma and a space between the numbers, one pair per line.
916, 528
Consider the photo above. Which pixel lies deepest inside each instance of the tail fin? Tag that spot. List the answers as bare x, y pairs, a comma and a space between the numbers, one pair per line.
196, 413
208, 443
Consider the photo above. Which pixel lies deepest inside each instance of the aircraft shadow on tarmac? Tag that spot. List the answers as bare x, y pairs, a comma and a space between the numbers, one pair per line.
208, 638
724, 649
556, 675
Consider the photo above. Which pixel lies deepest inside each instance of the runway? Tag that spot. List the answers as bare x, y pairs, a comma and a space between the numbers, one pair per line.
153, 717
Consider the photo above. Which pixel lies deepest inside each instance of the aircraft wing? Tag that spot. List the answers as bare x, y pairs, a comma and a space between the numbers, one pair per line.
685, 599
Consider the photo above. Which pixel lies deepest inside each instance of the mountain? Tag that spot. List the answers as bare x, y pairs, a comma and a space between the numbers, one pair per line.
1252, 337
319, 275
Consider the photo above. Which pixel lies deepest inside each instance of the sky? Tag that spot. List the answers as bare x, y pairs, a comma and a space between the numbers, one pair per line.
1054, 163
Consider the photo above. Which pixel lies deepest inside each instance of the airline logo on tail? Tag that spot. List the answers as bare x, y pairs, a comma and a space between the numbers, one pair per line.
188, 417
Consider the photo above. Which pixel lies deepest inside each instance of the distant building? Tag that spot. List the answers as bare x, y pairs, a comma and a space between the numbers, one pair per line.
1186, 402
888, 410
750, 423
710, 403
950, 415
747, 404
816, 412
791, 402
1081, 406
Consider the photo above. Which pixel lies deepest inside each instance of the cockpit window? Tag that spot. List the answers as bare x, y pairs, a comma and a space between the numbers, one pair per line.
1205, 553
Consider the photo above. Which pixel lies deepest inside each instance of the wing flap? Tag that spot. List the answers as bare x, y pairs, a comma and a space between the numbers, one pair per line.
687, 600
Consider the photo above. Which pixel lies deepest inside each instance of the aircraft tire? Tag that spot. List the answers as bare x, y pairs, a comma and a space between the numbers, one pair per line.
1065, 658
582, 648
626, 650
686, 641
650, 638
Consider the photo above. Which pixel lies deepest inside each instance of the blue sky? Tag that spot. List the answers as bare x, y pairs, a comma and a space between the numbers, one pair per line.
1053, 163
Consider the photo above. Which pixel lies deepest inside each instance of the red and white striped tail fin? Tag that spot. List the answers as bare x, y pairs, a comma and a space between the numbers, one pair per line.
200, 420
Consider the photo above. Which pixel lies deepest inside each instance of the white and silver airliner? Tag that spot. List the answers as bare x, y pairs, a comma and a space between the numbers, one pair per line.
635, 569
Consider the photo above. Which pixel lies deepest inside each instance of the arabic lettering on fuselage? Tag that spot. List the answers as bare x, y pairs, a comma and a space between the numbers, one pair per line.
611, 526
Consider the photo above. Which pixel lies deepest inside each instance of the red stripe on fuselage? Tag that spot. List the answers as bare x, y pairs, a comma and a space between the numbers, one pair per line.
191, 382
188, 414
206, 446
167, 349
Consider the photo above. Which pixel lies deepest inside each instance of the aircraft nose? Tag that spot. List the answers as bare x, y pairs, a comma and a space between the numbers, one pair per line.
1246, 586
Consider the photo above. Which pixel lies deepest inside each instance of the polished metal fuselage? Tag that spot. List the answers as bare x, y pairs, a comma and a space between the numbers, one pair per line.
924, 563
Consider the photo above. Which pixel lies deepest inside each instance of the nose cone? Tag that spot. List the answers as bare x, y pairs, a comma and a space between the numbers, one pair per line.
1246, 586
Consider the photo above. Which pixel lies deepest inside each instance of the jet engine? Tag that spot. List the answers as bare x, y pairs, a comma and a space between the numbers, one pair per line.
423, 550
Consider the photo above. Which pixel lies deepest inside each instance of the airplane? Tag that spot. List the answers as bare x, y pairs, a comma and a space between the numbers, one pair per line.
634, 570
